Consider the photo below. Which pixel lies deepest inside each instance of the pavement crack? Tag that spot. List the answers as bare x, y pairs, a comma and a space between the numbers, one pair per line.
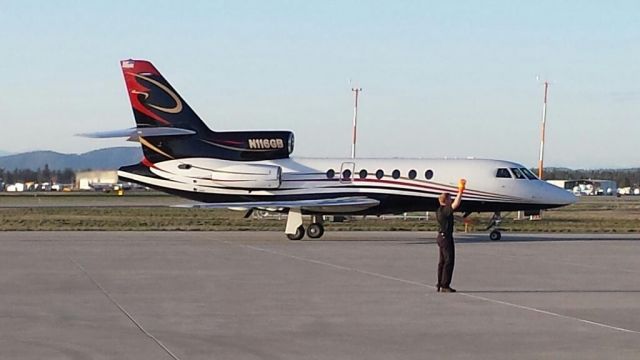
123, 310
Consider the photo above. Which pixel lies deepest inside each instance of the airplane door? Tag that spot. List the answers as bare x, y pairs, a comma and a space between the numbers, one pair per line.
346, 172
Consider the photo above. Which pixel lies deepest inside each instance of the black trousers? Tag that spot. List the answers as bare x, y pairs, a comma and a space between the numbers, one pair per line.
447, 260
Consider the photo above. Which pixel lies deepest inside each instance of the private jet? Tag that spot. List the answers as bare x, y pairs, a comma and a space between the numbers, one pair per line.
254, 170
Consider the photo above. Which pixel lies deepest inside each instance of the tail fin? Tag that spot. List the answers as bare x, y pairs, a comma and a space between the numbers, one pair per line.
155, 102
167, 128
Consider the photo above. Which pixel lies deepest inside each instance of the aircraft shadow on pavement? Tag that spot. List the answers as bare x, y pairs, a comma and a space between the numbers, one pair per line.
363, 238
550, 291
550, 237
471, 239
484, 238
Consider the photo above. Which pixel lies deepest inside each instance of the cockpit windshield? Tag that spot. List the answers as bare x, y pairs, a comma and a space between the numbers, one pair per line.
517, 173
528, 174
503, 173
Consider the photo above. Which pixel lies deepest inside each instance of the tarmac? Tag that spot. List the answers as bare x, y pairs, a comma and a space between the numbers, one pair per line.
352, 295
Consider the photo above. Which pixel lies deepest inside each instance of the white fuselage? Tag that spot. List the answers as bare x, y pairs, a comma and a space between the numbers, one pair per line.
411, 184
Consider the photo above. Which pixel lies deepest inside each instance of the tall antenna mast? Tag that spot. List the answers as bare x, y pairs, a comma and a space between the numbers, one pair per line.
544, 122
356, 92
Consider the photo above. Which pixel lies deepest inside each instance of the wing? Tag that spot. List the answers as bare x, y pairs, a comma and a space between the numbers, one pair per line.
325, 206
134, 133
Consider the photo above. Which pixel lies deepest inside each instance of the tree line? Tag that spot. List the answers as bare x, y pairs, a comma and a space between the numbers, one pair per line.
622, 177
40, 175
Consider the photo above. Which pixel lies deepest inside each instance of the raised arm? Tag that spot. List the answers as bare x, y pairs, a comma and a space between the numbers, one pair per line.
461, 186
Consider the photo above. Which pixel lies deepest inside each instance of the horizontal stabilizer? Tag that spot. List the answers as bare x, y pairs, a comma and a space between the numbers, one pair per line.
327, 206
134, 133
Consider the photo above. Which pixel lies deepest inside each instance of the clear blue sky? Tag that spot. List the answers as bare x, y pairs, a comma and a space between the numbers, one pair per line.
440, 78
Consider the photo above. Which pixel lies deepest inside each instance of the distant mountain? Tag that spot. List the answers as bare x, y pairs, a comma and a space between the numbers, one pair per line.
103, 159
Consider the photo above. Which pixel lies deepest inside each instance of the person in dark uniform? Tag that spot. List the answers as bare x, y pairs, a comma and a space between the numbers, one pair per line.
444, 214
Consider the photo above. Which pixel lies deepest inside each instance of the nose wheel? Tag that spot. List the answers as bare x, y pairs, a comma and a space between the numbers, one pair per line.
494, 226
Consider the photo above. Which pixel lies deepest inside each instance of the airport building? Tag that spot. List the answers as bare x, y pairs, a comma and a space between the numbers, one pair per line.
587, 186
629, 191
96, 180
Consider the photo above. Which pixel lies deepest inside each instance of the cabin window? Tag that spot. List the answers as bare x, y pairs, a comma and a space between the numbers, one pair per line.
503, 173
517, 173
396, 174
528, 174
184, 166
363, 174
379, 174
428, 174
330, 174
346, 174
412, 174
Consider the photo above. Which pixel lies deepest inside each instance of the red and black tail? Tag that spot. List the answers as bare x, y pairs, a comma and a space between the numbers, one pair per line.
167, 128
155, 102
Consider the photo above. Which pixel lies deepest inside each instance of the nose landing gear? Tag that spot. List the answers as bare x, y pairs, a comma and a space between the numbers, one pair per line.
494, 226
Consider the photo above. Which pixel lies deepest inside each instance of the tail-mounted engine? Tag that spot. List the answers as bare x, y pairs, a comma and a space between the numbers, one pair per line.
220, 173
247, 176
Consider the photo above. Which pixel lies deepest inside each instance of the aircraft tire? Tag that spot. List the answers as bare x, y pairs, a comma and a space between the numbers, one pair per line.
315, 231
495, 235
298, 235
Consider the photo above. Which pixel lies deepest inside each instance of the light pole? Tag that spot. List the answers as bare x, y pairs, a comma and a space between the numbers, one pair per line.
356, 93
544, 122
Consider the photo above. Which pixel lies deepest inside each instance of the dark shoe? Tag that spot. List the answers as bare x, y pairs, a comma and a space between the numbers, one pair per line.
438, 288
447, 290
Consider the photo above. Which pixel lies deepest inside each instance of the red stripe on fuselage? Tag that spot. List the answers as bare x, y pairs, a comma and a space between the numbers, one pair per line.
438, 187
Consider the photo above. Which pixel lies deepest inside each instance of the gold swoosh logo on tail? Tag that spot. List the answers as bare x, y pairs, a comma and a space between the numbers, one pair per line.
173, 110
146, 95
144, 142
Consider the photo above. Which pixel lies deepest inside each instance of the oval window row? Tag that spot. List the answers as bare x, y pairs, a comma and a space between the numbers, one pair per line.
346, 174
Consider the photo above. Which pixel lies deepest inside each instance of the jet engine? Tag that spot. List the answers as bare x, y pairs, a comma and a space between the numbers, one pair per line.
253, 176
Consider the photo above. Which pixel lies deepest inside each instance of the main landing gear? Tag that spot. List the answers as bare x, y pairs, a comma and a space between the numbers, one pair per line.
315, 229
296, 231
298, 235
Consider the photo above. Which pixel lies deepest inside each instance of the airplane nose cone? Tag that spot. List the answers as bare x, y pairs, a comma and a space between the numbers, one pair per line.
557, 196
569, 198
562, 196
